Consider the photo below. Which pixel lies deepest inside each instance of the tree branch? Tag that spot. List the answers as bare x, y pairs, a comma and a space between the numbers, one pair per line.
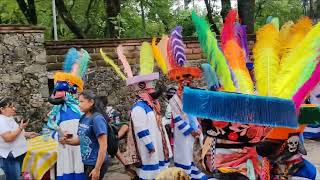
87, 16
28, 12
32, 11
68, 20
210, 18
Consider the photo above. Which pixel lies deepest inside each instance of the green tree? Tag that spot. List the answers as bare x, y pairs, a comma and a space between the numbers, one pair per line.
285, 10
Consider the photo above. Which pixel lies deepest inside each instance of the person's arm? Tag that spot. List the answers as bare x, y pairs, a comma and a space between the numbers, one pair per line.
182, 125
10, 136
95, 173
30, 134
139, 119
100, 129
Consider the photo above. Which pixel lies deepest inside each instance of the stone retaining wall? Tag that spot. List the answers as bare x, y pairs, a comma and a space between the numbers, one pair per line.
23, 71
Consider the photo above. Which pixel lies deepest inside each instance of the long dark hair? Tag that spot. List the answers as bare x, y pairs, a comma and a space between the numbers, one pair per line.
99, 104
5, 102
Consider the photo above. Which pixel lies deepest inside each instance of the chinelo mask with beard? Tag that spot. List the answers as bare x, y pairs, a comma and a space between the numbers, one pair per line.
157, 93
57, 98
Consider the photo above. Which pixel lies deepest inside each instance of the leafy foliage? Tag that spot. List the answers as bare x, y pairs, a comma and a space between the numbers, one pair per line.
285, 10
160, 16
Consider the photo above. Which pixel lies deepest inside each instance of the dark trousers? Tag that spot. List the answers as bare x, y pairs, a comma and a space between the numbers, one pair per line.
89, 168
12, 166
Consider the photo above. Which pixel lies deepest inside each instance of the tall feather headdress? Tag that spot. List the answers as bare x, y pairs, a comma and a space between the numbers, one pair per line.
215, 57
146, 65
74, 68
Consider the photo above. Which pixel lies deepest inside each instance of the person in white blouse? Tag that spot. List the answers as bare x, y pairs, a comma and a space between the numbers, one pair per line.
13, 143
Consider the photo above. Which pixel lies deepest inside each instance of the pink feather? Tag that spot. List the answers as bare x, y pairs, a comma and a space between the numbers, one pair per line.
123, 59
307, 87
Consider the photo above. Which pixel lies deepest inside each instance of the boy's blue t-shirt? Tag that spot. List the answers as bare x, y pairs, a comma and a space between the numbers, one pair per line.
89, 131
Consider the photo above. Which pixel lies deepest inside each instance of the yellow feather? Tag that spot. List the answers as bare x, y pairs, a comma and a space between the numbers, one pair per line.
146, 59
266, 58
304, 54
297, 32
285, 35
158, 56
112, 64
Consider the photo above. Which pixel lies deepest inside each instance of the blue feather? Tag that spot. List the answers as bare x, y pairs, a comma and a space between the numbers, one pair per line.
70, 58
210, 76
269, 19
240, 108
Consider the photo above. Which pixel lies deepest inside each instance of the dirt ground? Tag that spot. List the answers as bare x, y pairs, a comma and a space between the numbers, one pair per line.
116, 170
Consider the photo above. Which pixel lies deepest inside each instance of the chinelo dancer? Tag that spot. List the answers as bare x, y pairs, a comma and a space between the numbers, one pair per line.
186, 128
65, 114
152, 143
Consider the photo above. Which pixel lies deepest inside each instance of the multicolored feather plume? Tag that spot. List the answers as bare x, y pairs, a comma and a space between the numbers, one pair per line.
177, 46
307, 87
299, 58
146, 59
112, 64
228, 29
85, 58
209, 45
123, 59
241, 32
236, 58
266, 59
158, 56
71, 58
163, 48
284, 36
235, 55
297, 32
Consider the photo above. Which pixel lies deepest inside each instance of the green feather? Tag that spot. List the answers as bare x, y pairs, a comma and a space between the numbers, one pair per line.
83, 63
209, 45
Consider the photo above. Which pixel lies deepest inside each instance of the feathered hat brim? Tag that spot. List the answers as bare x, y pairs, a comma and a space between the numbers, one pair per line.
178, 74
142, 78
70, 78
281, 133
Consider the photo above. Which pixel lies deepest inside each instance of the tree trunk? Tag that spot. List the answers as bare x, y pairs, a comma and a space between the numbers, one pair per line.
225, 7
112, 11
28, 10
210, 17
143, 18
311, 13
246, 13
318, 9
68, 20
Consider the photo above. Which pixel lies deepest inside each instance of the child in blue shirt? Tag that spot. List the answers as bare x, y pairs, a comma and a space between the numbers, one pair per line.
92, 136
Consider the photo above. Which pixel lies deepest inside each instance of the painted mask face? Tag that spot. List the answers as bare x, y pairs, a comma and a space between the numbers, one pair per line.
57, 98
